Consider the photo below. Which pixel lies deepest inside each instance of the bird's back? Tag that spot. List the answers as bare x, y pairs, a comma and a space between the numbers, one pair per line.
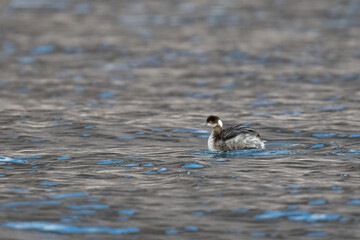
235, 138
234, 131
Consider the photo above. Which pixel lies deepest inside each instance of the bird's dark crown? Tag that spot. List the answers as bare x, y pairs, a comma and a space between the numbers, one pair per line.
212, 119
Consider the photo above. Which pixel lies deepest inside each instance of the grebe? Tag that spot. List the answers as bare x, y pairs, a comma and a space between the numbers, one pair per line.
233, 138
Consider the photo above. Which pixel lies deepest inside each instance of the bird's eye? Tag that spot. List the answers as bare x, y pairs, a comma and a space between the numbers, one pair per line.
210, 121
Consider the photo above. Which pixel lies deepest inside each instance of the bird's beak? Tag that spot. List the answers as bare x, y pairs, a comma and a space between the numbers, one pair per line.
203, 124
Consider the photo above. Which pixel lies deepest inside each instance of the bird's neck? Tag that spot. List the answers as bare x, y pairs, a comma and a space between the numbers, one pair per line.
216, 130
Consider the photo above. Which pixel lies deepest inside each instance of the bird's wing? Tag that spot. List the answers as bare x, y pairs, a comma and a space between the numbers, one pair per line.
234, 131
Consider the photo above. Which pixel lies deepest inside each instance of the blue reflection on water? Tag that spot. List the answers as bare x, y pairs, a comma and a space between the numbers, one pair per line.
258, 234
69, 195
320, 135
314, 217
11, 160
318, 146
110, 162
191, 228
90, 206
342, 154
8, 48
193, 165
354, 151
120, 138
148, 165
162, 170
218, 160
23, 4
263, 104
82, 8
20, 190
61, 228
203, 136
282, 144
316, 234
17, 204
317, 202
246, 152
190, 131
157, 130
273, 153
107, 95
26, 60
171, 231
43, 49
198, 213
131, 165
354, 202
128, 211
355, 135
332, 108
298, 216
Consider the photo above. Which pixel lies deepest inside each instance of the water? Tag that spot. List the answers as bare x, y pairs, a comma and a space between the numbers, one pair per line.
101, 106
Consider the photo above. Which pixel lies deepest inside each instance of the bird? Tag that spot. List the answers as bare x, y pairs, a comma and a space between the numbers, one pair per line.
237, 137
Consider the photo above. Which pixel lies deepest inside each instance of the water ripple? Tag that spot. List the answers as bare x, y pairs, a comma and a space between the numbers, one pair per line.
246, 152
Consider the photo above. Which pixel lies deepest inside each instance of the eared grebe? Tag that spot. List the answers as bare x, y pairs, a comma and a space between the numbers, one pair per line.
233, 138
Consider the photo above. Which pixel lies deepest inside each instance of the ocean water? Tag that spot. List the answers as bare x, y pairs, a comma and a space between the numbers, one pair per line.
102, 105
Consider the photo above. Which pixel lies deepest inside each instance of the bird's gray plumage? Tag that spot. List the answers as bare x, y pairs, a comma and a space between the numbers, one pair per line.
231, 132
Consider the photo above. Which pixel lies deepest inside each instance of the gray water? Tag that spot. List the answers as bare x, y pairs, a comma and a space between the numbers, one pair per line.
101, 106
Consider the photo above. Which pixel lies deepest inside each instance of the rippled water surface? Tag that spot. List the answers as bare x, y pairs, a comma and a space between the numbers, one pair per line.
101, 106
